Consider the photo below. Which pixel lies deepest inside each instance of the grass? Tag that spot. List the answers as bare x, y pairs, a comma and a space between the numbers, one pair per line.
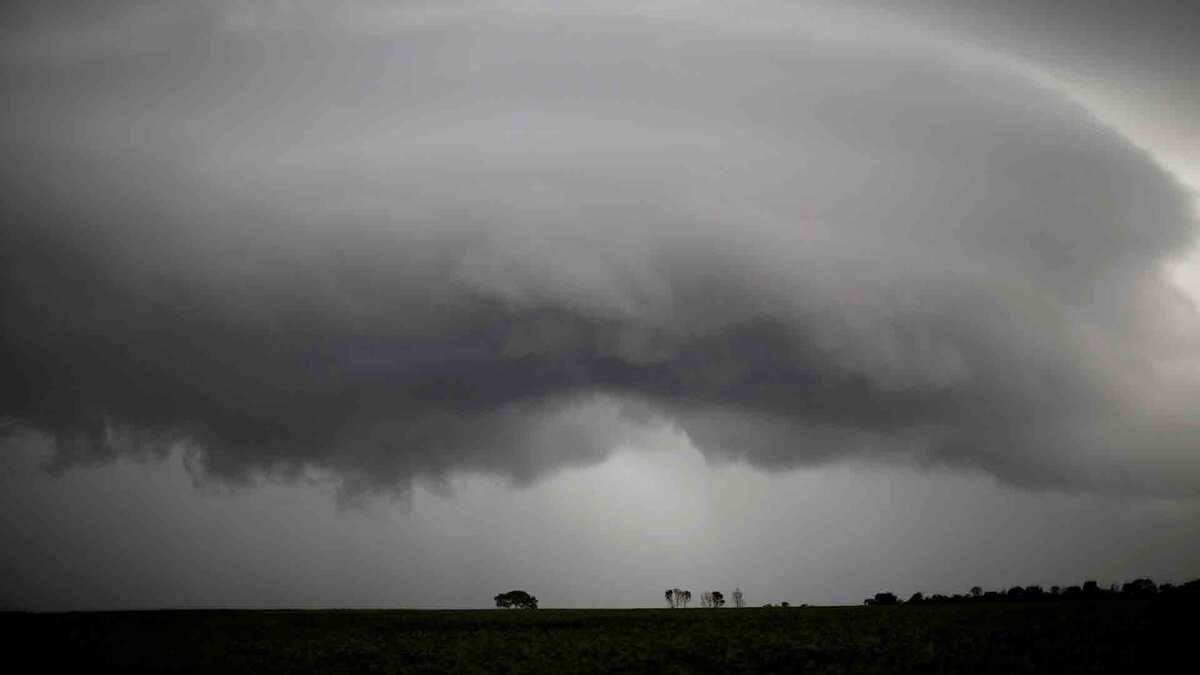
1116, 636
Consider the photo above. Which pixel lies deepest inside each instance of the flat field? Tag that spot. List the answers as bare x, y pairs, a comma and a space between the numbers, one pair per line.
1114, 636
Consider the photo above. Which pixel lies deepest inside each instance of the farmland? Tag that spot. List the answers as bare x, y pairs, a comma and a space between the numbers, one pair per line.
1114, 636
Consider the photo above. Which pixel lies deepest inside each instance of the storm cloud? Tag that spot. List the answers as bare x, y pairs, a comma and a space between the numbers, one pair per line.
399, 242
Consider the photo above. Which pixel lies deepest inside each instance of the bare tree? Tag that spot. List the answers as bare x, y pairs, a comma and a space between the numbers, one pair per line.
687, 597
739, 600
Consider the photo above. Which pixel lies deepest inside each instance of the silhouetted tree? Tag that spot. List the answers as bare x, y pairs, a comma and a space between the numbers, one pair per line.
517, 599
976, 591
677, 597
883, 599
916, 598
739, 600
1091, 588
718, 599
1139, 587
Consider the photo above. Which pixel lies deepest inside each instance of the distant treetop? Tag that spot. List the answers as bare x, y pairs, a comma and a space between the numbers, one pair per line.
516, 599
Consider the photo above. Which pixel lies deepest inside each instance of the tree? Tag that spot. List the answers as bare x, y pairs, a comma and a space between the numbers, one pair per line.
517, 599
882, 599
976, 591
916, 598
677, 597
739, 600
1140, 587
718, 599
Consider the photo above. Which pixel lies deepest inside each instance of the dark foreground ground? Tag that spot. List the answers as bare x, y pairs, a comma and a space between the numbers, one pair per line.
1112, 636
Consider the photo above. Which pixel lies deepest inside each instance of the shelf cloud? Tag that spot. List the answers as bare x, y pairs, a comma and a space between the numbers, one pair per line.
400, 242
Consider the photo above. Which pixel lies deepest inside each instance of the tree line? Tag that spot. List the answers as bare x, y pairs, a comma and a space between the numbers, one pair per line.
1090, 590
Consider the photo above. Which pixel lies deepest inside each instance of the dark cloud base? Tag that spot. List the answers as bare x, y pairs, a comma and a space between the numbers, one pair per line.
884, 253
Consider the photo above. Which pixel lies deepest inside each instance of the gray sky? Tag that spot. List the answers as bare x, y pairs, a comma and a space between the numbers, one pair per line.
367, 303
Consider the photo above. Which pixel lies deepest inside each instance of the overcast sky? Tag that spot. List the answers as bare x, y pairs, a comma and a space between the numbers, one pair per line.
373, 303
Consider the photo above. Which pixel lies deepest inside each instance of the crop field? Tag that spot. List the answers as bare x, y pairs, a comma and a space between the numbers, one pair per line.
1117, 636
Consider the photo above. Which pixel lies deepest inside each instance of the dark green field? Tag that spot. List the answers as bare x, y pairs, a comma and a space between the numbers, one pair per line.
1113, 636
